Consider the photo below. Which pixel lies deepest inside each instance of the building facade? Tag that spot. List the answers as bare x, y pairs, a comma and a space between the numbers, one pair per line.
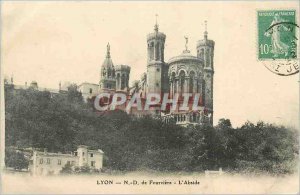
184, 73
45, 163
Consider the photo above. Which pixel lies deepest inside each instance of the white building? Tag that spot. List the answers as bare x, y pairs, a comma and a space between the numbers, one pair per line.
88, 90
45, 163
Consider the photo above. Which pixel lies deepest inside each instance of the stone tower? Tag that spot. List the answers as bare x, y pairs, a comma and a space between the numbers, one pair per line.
107, 73
122, 77
205, 51
82, 153
157, 69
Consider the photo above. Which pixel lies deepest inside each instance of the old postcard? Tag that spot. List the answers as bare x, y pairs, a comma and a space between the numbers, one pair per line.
141, 97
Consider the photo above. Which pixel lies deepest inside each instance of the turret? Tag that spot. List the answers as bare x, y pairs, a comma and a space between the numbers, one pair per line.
205, 51
122, 77
82, 153
156, 68
107, 73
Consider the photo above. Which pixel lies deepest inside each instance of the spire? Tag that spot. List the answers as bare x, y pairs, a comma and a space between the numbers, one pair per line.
205, 32
107, 61
108, 50
156, 25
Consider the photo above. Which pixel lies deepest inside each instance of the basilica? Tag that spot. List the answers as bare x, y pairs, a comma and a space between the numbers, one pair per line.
184, 73
180, 75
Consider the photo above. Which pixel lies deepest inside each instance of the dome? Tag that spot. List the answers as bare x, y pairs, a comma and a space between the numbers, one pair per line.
156, 34
185, 56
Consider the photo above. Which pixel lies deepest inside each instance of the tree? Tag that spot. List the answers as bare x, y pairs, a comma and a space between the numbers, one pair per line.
224, 124
16, 160
73, 94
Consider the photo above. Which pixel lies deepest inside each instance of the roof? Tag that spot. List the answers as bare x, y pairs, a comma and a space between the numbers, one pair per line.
97, 151
156, 35
38, 153
82, 146
185, 56
108, 62
87, 83
205, 42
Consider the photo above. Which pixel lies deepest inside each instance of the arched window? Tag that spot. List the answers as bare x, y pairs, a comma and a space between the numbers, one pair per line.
123, 82
203, 92
108, 72
202, 53
104, 72
118, 80
194, 117
191, 81
113, 73
207, 58
181, 81
151, 48
157, 54
173, 83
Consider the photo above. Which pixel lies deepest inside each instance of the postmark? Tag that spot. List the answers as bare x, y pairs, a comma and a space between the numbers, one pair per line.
278, 41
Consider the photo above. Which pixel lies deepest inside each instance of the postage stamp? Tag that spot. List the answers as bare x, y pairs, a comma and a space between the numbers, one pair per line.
277, 41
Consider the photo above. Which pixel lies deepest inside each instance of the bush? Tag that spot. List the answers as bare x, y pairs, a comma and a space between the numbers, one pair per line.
67, 169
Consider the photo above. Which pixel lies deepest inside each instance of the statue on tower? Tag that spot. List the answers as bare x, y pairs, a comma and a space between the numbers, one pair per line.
186, 45
186, 42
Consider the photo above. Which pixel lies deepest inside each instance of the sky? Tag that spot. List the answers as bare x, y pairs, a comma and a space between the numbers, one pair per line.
51, 42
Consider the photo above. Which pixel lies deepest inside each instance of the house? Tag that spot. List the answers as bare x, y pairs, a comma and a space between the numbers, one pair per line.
46, 163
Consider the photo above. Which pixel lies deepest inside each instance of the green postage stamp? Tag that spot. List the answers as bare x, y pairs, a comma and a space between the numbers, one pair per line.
278, 41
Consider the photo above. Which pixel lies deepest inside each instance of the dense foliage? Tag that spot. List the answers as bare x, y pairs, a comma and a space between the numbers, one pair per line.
62, 122
16, 160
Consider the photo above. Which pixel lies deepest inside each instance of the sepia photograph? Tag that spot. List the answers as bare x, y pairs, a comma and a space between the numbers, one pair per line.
149, 97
